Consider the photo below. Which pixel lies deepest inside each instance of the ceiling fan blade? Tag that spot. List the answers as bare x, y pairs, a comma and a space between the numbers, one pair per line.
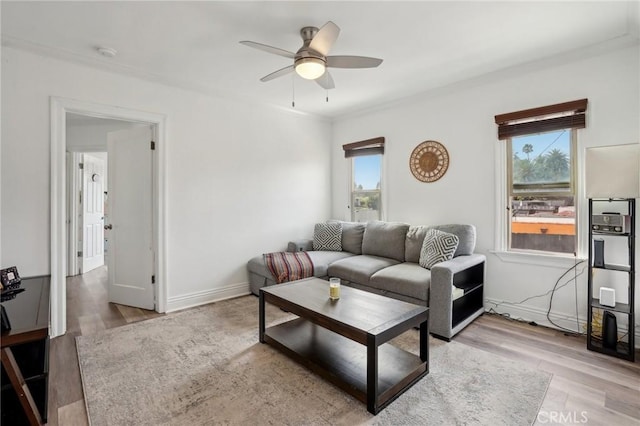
352, 62
324, 39
269, 49
276, 74
326, 81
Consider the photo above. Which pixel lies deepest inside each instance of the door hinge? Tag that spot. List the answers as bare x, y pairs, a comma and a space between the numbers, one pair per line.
79, 254
81, 166
153, 279
153, 146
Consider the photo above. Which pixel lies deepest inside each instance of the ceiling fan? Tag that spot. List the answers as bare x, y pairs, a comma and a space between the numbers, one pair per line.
311, 60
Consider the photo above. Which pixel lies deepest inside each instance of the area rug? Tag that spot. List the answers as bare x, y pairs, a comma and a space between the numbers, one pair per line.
205, 366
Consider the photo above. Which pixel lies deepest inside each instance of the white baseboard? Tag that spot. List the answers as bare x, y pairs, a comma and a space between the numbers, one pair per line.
191, 300
530, 313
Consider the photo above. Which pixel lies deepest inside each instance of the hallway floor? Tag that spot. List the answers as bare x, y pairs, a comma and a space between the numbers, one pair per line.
88, 312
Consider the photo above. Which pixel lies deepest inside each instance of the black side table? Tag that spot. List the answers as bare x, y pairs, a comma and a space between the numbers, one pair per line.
25, 354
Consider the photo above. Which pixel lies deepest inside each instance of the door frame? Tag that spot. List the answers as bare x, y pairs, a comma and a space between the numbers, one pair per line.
72, 177
59, 109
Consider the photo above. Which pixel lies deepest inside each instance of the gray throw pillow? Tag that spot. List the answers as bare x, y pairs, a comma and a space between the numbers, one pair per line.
327, 236
385, 239
437, 247
352, 233
413, 243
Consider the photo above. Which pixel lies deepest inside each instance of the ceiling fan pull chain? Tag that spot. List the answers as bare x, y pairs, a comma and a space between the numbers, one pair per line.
327, 99
293, 90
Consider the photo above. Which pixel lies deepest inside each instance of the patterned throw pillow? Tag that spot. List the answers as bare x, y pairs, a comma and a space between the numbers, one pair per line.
327, 236
437, 247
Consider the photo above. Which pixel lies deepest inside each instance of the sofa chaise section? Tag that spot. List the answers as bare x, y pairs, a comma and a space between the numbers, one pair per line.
260, 276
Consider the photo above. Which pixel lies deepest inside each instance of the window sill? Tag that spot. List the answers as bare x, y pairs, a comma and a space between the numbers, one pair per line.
551, 260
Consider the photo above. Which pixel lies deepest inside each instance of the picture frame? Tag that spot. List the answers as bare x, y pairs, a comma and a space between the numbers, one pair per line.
9, 278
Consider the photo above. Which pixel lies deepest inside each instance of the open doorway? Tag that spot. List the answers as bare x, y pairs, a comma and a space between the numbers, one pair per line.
135, 150
88, 190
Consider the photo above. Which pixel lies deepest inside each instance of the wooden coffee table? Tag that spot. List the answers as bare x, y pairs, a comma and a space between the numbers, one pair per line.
344, 341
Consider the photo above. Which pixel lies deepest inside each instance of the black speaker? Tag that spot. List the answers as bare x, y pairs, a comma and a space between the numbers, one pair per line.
598, 253
609, 330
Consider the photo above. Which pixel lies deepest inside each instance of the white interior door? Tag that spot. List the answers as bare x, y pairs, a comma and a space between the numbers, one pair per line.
93, 175
131, 257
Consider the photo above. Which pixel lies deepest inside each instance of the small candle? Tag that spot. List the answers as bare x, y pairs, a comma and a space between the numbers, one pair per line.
334, 288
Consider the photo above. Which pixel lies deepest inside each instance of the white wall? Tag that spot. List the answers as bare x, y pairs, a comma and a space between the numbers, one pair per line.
242, 179
462, 118
91, 135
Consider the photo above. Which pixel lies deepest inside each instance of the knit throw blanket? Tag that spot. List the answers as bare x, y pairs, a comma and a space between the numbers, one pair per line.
289, 266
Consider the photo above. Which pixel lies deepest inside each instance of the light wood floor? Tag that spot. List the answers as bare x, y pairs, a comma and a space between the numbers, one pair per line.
88, 312
585, 385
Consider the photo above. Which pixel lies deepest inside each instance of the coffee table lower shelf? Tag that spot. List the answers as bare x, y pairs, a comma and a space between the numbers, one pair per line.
343, 362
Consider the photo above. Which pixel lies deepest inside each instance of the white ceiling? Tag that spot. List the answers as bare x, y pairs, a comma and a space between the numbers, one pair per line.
425, 45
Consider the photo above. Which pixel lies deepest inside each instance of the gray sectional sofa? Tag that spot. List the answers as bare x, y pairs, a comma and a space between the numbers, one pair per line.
383, 258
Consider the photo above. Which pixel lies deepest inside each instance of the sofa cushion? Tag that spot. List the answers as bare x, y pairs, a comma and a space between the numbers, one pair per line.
352, 233
405, 278
413, 243
359, 268
466, 235
322, 259
437, 247
327, 236
385, 239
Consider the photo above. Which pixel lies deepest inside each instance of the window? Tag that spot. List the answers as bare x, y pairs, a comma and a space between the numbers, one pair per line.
540, 176
541, 192
366, 179
365, 190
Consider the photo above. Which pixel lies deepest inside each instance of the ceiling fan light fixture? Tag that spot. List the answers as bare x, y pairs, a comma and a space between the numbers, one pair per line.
311, 61
310, 68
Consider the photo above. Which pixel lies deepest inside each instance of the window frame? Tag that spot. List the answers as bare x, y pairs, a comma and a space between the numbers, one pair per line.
368, 147
352, 189
571, 191
559, 116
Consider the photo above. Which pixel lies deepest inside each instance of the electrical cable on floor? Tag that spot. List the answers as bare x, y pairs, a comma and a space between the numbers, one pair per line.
548, 292
506, 315
574, 267
555, 288
575, 291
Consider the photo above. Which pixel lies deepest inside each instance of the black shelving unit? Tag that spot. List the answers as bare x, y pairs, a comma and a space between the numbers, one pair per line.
624, 349
471, 280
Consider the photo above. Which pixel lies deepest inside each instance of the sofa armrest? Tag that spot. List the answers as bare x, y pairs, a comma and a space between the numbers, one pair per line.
300, 245
458, 264
461, 271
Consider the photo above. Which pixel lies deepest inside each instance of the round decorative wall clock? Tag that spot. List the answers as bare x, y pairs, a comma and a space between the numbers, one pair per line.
429, 161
